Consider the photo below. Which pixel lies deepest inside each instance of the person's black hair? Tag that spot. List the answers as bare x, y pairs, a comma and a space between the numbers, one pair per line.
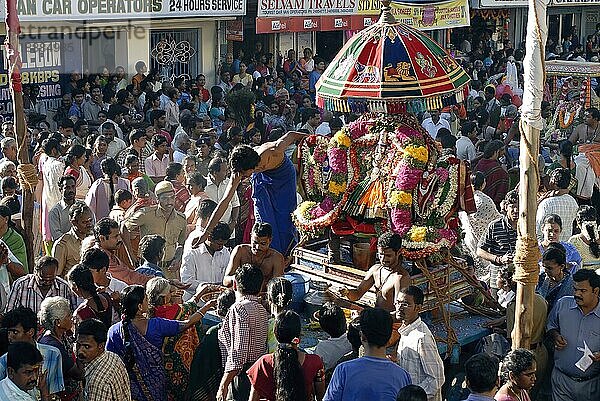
490, 90
376, 326
561, 177
279, 292
136, 135
221, 232
442, 132
594, 112
198, 179
103, 227
516, 362
131, 158
156, 114
21, 353
587, 218
249, 279
151, 246
262, 230
206, 208
447, 141
77, 126
232, 132
81, 276
332, 319
173, 170
122, 195
95, 258
354, 334
94, 328
289, 376
492, 147
555, 255
9, 183
481, 372
224, 302
390, 239
49, 144
565, 148
157, 140
45, 261
74, 152
109, 168
588, 275
467, 128
20, 315
477, 179
552, 219
132, 298
66, 123
336, 124
414, 292
412, 392
243, 158
62, 180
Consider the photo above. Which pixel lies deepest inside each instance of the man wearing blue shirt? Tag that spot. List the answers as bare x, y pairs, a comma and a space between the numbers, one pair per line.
21, 326
574, 325
372, 377
481, 371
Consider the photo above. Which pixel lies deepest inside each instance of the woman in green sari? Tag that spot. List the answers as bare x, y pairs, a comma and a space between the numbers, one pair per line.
12, 239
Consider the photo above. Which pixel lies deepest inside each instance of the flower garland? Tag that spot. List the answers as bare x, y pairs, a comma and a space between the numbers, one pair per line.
412, 153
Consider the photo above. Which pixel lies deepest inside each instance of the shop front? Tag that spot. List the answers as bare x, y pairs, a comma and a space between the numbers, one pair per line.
178, 38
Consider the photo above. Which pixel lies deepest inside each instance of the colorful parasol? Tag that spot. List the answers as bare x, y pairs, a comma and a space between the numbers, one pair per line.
391, 67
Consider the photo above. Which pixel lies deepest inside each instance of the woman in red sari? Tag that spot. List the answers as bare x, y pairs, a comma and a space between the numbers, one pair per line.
276, 376
179, 350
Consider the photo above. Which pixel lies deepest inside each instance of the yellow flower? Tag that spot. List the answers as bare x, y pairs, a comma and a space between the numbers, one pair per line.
336, 188
417, 234
305, 207
342, 139
418, 153
400, 198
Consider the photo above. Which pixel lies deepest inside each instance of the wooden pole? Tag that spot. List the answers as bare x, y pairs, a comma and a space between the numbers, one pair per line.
527, 256
13, 30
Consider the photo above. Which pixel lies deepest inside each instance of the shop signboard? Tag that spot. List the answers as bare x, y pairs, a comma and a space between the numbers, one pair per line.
48, 61
45, 10
299, 8
502, 3
423, 15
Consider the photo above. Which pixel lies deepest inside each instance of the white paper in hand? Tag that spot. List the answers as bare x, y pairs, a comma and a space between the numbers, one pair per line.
586, 360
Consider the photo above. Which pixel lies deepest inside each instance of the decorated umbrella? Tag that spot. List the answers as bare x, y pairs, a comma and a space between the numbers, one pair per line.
391, 67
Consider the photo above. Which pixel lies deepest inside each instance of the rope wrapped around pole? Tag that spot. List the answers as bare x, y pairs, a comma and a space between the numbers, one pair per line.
526, 259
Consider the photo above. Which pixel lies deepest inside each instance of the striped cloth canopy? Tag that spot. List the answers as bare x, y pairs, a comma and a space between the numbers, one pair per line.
391, 67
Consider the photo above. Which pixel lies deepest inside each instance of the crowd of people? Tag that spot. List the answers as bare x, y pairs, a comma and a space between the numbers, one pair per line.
157, 202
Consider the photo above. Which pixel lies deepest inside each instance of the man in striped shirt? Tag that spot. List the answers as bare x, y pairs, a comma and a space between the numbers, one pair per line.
499, 242
30, 290
243, 336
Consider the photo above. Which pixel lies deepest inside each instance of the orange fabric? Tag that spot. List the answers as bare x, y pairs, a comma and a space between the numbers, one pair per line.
592, 152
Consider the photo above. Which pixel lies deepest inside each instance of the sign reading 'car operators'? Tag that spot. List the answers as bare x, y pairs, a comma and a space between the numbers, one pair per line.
43, 10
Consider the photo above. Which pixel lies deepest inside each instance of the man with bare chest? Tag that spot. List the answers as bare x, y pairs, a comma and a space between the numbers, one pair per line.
259, 254
273, 178
589, 131
388, 276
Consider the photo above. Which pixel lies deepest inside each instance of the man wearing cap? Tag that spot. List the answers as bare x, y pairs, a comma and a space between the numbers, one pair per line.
163, 220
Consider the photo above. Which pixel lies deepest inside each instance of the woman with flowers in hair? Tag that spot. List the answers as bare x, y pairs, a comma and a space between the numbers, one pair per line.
588, 241
138, 340
276, 376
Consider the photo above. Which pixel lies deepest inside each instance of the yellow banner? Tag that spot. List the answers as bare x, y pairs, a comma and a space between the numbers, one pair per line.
421, 15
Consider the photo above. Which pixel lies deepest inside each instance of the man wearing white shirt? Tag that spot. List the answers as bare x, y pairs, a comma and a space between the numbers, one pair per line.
216, 185
23, 361
207, 263
559, 202
465, 145
324, 128
417, 350
434, 123
115, 144
98, 261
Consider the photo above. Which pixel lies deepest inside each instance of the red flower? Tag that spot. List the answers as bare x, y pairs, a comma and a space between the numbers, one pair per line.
311, 140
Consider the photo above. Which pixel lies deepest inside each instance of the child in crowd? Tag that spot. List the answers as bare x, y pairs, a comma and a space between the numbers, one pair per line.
333, 322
